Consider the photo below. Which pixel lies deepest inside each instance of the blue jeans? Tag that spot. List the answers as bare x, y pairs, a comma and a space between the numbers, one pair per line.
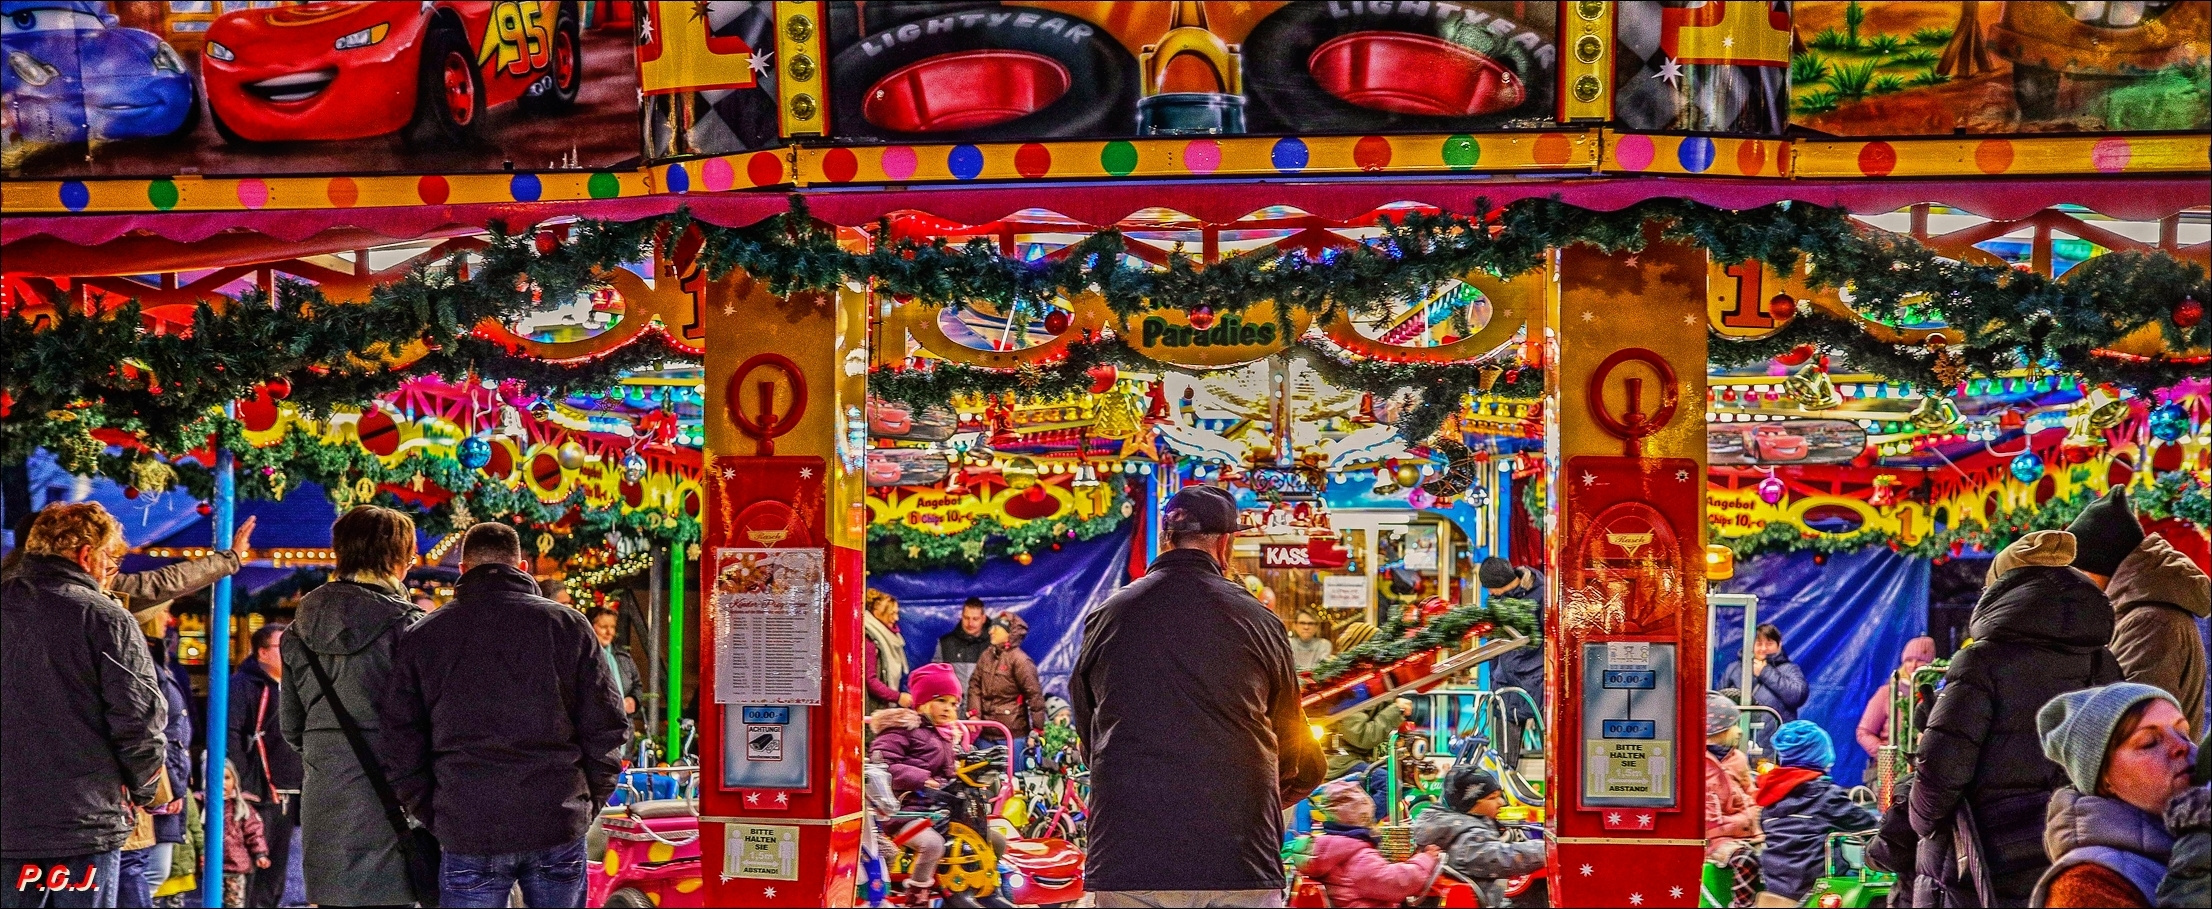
68, 882
549, 877
131, 890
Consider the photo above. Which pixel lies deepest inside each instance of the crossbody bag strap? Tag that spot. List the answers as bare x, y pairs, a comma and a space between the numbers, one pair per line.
370, 766
261, 747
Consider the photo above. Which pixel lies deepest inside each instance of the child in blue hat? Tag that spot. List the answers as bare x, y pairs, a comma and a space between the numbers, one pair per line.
1799, 806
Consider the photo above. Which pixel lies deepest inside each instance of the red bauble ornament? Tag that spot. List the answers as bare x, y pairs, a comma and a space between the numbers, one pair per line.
130, 492
1056, 321
2188, 312
1797, 355
1202, 317
279, 388
547, 242
1783, 306
1103, 376
7, 403
205, 509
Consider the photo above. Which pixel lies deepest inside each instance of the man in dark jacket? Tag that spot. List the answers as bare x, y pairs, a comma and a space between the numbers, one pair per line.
2039, 631
80, 714
503, 731
269, 769
963, 646
1186, 701
1523, 667
1776, 683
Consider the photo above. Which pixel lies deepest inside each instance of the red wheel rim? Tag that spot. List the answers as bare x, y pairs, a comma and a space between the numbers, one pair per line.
460, 90
966, 90
564, 63
1413, 74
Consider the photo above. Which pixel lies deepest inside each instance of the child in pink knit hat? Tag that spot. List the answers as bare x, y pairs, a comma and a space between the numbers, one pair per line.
1344, 858
919, 758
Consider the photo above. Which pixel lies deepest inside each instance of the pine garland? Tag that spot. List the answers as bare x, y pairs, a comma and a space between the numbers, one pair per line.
1391, 644
2182, 495
897, 547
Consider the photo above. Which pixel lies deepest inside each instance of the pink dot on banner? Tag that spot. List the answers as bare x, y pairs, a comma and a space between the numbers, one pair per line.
253, 193
2110, 155
1633, 152
1202, 156
717, 175
899, 162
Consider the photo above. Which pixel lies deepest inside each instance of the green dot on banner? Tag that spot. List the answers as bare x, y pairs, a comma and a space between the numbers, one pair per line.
603, 186
162, 193
1119, 158
1461, 151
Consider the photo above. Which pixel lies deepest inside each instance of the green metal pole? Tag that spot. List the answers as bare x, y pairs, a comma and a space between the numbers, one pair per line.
675, 652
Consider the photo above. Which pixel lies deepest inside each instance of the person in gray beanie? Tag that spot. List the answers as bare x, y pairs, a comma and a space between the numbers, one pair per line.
2126, 751
1731, 814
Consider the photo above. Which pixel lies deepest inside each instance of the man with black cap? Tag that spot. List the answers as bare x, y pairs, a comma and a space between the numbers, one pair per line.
1187, 706
2157, 597
1521, 668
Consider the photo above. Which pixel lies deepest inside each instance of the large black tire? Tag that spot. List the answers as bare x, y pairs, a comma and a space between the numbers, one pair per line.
628, 898
1101, 99
437, 122
1286, 98
567, 60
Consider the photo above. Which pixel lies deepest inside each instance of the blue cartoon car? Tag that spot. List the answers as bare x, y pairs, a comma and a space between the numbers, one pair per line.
74, 75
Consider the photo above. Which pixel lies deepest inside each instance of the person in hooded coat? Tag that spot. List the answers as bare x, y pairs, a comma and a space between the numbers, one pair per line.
2189, 818
1004, 687
2039, 631
2157, 597
1873, 731
351, 854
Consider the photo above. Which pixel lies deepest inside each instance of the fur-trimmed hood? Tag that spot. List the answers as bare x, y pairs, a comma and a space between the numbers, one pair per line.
893, 718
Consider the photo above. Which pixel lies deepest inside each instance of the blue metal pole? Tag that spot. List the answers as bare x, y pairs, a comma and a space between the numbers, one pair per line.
218, 686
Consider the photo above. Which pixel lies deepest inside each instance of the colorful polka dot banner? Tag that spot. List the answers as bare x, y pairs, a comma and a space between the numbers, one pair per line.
1216, 157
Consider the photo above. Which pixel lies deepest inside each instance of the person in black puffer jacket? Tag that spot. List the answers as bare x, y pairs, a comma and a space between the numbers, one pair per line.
2040, 630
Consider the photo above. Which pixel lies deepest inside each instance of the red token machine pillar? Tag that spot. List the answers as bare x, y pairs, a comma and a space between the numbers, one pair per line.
780, 597
1625, 440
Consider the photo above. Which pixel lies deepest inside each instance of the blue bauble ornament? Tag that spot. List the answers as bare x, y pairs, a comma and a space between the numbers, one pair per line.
2027, 468
2169, 422
474, 452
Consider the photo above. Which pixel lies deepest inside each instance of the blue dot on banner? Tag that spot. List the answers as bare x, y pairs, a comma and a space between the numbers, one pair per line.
1696, 154
525, 188
75, 195
965, 161
678, 180
1289, 155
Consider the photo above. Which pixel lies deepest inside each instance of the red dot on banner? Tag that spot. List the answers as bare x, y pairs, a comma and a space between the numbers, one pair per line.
1032, 160
433, 190
1877, 159
764, 168
840, 165
1993, 156
343, 192
1371, 153
1751, 157
1552, 148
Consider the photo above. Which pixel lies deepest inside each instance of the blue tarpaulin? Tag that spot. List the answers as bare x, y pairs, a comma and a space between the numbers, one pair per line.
1051, 593
1845, 623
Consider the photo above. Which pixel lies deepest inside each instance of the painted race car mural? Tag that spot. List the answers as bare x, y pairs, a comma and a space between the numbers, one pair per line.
76, 76
257, 87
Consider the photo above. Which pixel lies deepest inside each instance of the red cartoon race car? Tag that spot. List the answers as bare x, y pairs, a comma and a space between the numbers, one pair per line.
355, 70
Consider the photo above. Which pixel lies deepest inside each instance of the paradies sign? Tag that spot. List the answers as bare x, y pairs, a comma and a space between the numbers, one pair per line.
1227, 339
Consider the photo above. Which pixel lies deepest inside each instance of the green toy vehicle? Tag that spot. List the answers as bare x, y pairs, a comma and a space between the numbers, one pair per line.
1849, 884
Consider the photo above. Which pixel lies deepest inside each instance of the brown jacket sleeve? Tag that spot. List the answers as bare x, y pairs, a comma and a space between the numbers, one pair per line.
1032, 691
169, 582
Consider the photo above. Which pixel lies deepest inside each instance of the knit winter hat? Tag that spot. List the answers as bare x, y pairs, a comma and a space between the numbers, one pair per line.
1799, 743
928, 683
1721, 714
2105, 533
2077, 727
1497, 572
2047, 548
1466, 784
1347, 802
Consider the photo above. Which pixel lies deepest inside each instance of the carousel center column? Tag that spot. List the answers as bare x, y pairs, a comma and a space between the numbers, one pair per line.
782, 575
1625, 438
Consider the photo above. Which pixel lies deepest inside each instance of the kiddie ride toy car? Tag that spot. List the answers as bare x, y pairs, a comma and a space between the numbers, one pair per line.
1849, 884
645, 852
355, 70
73, 74
972, 812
